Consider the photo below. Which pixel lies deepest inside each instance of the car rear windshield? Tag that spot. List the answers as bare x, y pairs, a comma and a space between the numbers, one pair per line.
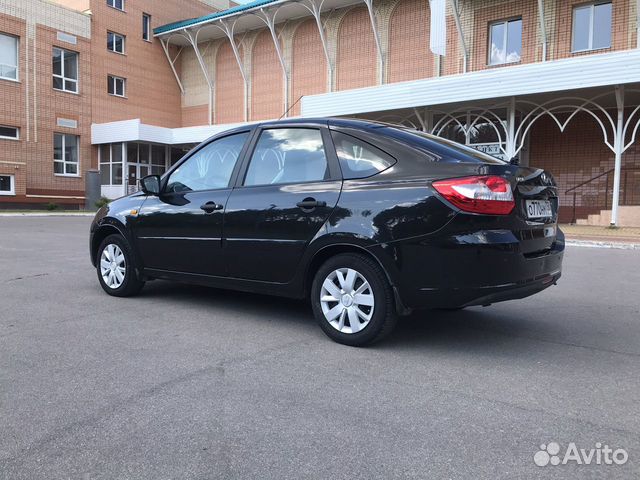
444, 150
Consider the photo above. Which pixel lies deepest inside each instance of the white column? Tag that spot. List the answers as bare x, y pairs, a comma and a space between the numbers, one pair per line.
165, 47
193, 39
316, 9
463, 43
543, 29
511, 129
376, 35
618, 148
269, 18
228, 30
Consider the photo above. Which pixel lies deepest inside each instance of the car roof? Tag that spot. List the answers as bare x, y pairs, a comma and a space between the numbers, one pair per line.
338, 122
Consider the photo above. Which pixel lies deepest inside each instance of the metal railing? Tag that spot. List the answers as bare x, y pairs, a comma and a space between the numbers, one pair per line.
626, 197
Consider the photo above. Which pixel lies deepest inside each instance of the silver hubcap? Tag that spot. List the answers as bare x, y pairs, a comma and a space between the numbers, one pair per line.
112, 266
347, 300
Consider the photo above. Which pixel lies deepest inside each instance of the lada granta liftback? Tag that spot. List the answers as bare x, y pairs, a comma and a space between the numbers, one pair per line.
368, 221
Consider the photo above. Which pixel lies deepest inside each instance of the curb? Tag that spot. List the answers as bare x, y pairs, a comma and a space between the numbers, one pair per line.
601, 244
43, 214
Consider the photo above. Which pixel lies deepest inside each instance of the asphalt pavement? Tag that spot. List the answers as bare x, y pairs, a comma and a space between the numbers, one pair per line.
186, 382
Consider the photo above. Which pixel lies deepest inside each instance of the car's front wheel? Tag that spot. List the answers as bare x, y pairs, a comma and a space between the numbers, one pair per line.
116, 267
352, 300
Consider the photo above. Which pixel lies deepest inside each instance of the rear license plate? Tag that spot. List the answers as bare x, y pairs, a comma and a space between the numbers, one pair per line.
538, 209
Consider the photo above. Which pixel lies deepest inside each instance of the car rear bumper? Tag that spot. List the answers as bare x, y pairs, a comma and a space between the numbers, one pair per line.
474, 269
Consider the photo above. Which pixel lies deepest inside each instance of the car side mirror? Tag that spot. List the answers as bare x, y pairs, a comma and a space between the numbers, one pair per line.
151, 185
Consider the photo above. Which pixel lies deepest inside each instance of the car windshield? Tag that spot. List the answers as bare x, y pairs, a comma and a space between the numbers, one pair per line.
448, 151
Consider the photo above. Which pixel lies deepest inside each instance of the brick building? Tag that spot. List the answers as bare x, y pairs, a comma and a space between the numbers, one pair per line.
553, 83
55, 69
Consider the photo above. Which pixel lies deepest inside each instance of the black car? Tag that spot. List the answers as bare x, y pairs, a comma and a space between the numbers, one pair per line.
367, 220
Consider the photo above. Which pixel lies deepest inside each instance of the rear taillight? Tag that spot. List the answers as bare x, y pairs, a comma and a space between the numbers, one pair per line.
490, 194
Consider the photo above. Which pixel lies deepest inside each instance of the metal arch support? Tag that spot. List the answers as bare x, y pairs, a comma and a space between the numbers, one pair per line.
562, 125
316, 9
165, 47
543, 29
193, 40
421, 119
269, 19
618, 149
463, 43
227, 29
542, 109
376, 35
402, 120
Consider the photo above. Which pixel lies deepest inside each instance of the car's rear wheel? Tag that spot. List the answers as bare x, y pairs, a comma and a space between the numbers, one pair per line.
116, 267
352, 300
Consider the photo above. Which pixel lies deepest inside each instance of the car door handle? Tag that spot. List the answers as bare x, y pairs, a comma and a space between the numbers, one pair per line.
211, 207
309, 203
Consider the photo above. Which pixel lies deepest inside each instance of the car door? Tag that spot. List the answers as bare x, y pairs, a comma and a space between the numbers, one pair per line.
181, 229
285, 192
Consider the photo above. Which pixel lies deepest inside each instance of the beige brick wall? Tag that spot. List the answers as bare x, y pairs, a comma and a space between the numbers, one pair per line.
229, 99
409, 57
266, 80
34, 106
404, 35
356, 64
309, 65
152, 91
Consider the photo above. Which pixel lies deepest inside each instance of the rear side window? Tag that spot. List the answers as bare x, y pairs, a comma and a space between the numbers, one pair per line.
359, 159
288, 155
444, 150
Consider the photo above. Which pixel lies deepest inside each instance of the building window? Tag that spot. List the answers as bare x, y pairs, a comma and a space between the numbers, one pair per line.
8, 57
65, 154
12, 133
7, 185
505, 42
158, 159
116, 86
119, 4
146, 27
591, 27
111, 164
65, 70
115, 42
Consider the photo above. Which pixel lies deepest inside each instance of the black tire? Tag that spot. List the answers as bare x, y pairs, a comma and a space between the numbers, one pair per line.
131, 284
383, 318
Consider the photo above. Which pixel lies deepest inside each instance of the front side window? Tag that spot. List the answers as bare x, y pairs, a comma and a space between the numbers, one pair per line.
591, 27
359, 159
8, 57
116, 86
119, 4
115, 42
7, 185
146, 27
65, 70
210, 167
288, 155
505, 42
65, 154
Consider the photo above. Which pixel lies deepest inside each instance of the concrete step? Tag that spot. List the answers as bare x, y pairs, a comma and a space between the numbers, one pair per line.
628, 216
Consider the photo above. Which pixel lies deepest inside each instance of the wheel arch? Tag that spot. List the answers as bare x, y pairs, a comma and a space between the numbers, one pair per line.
326, 252
102, 232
